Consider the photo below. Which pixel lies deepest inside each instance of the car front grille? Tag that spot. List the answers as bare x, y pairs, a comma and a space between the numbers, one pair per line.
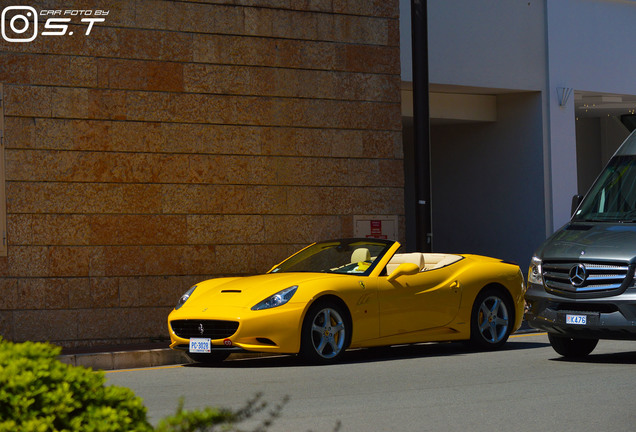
586, 278
213, 329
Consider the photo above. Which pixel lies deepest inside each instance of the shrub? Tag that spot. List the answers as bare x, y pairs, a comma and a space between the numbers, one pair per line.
205, 420
38, 393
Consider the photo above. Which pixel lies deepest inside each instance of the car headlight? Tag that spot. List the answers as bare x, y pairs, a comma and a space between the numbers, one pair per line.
278, 299
535, 272
184, 297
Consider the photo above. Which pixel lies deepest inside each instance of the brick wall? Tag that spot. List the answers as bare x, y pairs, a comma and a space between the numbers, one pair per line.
185, 140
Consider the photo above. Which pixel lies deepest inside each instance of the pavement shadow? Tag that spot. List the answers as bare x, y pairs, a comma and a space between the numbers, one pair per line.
429, 350
619, 358
367, 355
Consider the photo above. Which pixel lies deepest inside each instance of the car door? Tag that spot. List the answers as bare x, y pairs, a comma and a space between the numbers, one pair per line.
418, 302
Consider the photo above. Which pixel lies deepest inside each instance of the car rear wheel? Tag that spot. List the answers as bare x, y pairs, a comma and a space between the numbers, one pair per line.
572, 347
325, 333
491, 320
208, 358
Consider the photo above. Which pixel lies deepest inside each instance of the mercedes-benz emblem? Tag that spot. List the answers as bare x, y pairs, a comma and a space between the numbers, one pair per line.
201, 329
578, 275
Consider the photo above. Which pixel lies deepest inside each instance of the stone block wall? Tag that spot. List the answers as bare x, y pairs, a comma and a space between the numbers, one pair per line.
185, 140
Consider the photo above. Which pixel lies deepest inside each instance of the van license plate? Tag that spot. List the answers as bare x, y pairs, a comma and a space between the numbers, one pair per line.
576, 319
200, 345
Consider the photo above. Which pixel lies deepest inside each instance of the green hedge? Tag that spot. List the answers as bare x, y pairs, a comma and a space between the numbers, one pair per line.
38, 393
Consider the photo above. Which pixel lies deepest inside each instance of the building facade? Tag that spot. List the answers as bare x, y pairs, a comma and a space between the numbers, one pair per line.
149, 145
177, 141
528, 101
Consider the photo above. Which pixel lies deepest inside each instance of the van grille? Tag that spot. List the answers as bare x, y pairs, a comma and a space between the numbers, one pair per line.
591, 278
213, 329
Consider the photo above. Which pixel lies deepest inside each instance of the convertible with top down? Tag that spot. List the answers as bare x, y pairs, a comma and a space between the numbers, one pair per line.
350, 293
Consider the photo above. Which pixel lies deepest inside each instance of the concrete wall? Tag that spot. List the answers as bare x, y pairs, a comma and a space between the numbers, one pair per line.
589, 50
488, 182
486, 43
501, 45
186, 140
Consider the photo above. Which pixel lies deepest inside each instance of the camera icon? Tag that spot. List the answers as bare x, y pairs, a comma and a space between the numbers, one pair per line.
22, 24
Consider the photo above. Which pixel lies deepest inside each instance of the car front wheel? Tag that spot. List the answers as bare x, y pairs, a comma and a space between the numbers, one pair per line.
491, 320
572, 347
325, 333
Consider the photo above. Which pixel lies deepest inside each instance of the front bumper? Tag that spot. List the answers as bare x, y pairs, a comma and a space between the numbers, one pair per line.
606, 318
275, 330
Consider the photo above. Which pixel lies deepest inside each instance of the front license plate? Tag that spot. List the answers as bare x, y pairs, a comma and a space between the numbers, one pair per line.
576, 319
200, 345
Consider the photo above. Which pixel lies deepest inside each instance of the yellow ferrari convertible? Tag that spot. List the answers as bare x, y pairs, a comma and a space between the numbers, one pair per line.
350, 293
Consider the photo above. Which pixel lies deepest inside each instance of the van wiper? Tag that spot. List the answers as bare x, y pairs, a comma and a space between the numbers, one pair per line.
628, 217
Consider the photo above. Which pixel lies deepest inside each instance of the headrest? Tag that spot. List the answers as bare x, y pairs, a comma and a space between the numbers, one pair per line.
360, 254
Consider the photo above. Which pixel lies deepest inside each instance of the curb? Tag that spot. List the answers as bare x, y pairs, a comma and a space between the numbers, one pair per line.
126, 359
137, 359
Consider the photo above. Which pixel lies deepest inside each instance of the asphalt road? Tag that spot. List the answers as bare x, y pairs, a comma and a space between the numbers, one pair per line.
432, 387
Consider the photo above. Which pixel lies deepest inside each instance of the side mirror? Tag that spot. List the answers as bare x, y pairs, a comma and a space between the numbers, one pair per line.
404, 269
576, 201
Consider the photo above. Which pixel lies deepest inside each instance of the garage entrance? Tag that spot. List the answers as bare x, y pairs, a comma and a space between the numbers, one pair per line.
487, 175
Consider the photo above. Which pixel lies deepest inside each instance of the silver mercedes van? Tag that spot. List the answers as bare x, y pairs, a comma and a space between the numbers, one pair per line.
581, 285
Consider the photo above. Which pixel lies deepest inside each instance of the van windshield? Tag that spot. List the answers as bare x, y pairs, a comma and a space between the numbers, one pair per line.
613, 196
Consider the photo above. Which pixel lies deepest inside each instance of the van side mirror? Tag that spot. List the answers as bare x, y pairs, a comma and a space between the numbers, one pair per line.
576, 201
404, 269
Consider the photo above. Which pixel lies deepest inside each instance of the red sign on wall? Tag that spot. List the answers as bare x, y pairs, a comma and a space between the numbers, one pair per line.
380, 227
376, 230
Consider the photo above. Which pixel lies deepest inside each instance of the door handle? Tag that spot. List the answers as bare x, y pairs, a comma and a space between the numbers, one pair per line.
456, 286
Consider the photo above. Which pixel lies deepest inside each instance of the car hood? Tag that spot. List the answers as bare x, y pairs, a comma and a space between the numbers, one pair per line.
248, 291
602, 241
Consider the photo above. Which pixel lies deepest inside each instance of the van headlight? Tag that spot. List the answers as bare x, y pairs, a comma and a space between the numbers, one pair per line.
535, 275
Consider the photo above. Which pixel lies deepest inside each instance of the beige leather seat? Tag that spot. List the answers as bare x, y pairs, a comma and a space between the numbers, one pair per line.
360, 255
428, 261
435, 261
413, 257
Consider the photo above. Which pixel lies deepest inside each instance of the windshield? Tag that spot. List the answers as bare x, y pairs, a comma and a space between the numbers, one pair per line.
613, 196
351, 256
